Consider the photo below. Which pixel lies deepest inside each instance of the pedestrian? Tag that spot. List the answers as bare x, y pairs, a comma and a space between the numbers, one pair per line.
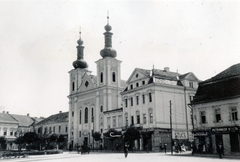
147, 148
126, 149
220, 151
165, 148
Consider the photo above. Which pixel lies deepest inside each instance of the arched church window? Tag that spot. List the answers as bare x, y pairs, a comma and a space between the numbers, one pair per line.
80, 117
86, 115
73, 86
101, 77
113, 77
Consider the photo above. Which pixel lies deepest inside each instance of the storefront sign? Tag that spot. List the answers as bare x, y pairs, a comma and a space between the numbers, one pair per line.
225, 129
200, 134
179, 135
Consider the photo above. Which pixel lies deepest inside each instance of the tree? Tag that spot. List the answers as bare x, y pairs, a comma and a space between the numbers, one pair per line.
131, 134
97, 136
3, 142
30, 137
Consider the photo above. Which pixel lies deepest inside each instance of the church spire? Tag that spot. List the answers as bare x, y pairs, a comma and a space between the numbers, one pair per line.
108, 51
80, 63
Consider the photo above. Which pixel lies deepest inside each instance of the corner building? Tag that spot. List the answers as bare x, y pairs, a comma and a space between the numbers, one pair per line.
97, 103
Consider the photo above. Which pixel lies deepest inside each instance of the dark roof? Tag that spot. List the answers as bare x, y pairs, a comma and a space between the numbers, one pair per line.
229, 72
6, 118
24, 121
114, 110
56, 118
165, 74
224, 85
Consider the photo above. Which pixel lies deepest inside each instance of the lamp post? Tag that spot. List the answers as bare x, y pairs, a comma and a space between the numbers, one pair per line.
171, 126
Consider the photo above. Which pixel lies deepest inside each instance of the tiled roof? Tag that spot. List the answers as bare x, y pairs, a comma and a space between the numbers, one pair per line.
24, 121
183, 76
6, 118
165, 74
56, 118
229, 72
224, 85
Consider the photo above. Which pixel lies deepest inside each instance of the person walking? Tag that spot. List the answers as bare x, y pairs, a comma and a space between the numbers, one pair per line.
126, 149
220, 151
165, 148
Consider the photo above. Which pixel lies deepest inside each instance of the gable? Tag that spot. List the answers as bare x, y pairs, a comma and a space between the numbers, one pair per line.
88, 82
138, 74
190, 77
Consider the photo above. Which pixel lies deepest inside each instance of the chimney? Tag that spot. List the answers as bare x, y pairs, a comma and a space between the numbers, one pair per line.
60, 112
7, 112
27, 114
166, 69
3, 111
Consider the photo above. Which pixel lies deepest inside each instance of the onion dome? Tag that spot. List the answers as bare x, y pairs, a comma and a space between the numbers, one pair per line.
80, 63
108, 51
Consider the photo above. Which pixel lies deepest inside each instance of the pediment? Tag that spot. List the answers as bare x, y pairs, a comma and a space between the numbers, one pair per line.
138, 74
87, 83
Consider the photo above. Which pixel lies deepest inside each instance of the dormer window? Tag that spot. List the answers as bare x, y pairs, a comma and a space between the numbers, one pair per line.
131, 86
143, 82
137, 84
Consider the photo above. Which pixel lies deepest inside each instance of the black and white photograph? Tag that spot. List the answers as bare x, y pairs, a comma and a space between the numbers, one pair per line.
119, 80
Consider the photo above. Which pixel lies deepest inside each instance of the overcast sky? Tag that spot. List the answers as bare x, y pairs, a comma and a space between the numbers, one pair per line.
38, 42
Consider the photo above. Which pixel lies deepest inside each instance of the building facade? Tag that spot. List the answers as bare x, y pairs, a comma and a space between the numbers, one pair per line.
97, 103
216, 109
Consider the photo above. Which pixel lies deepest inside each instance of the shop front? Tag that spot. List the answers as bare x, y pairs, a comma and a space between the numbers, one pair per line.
202, 141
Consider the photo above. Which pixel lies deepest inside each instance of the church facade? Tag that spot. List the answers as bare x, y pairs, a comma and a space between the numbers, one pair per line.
97, 103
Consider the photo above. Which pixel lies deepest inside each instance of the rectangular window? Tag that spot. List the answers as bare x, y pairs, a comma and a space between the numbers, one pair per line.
151, 117
137, 99
144, 119
131, 86
120, 121
108, 122
137, 84
126, 102
138, 119
131, 101
114, 121
143, 98
50, 129
53, 129
5, 133
143, 82
203, 117
191, 84
11, 133
234, 114
132, 119
59, 129
66, 129
218, 115
126, 121
72, 113
190, 98
80, 134
150, 97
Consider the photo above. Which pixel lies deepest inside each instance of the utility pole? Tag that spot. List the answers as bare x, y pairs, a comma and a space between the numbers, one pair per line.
171, 126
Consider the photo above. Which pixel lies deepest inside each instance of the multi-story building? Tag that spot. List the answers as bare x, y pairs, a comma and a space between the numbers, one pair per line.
97, 103
216, 109
57, 123
146, 104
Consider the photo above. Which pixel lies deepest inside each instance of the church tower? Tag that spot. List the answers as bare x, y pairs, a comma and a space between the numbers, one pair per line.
109, 73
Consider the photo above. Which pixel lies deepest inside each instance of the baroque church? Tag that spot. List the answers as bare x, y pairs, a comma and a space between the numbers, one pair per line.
97, 103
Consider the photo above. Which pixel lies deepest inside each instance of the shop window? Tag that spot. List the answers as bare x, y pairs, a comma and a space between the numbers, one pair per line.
203, 117
234, 114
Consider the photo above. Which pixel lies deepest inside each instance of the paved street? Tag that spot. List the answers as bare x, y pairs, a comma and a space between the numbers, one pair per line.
110, 157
